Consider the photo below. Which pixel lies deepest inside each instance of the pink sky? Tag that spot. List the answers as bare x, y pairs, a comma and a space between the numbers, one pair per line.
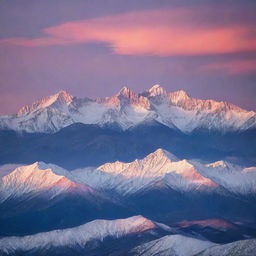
206, 48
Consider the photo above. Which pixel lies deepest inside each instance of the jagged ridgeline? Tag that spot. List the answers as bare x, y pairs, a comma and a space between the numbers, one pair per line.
74, 132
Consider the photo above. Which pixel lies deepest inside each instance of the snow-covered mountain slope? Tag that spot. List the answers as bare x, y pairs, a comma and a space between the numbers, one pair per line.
7, 168
127, 109
35, 179
94, 231
172, 245
159, 168
47, 196
188, 113
236, 179
238, 248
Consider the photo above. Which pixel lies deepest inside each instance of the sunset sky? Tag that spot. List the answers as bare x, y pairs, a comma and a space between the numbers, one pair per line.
94, 47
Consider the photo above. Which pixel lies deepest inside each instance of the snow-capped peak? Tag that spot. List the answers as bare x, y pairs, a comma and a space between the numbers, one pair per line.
232, 177
157, 90
160, 154
62, 97
37, 177
174, 109
153, 165
36, 174
177, 96
126, 108
159, 167
127, 93
95, 230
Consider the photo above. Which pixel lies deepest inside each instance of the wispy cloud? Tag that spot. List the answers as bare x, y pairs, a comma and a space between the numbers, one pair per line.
166, 32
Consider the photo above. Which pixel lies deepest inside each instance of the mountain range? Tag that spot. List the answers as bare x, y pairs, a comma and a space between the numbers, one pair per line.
124, 189
73, 133
153, 173
127, 109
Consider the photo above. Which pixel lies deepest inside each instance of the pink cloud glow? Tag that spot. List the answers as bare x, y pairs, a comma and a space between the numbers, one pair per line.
167, 32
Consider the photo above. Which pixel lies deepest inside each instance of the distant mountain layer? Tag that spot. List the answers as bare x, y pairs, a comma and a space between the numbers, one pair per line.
102, 237
158, 169
83, 236
134, 236
127, 109
159, 186
161, 168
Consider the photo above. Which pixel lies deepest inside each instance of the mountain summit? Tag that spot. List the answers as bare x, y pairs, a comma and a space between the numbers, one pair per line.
126, 92
60, 98
157, 90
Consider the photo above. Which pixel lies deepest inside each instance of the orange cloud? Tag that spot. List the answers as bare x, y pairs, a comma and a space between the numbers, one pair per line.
167, 32
235, 67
